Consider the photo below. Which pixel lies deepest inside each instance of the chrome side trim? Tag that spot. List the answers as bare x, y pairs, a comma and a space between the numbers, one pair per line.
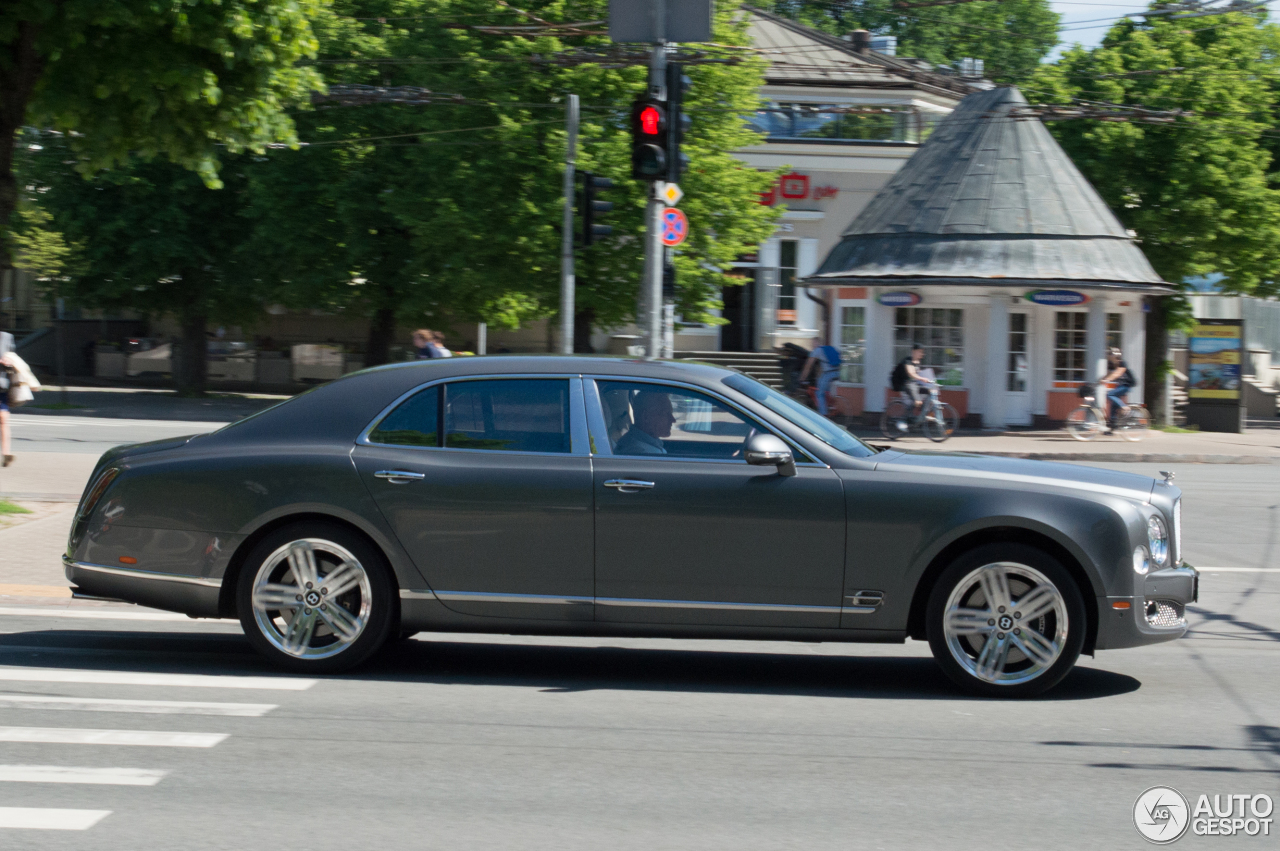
493, 597
626, 602
144, 574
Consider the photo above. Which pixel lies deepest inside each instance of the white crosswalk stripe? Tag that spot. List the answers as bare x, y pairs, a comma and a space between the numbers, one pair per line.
91, 614
134, 678
142, 738
72, 774
42, 818
148, 707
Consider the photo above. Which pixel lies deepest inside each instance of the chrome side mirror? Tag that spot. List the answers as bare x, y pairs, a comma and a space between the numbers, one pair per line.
767, 450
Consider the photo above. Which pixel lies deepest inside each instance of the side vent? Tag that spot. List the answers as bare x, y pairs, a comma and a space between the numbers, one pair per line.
863, 602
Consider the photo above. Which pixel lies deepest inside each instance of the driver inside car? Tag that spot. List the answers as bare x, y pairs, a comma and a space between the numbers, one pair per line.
653, 420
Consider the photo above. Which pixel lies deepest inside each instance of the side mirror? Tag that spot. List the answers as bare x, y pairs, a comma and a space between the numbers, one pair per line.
767, 450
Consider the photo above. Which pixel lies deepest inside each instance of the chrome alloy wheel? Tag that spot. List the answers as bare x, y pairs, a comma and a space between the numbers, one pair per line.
1005, 623
311, 598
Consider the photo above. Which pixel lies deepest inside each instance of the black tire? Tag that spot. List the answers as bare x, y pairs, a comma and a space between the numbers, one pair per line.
895, 422
376, 622
1020, 674
941, 423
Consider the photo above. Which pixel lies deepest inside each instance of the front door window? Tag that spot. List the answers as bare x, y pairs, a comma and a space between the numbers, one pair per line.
661, 420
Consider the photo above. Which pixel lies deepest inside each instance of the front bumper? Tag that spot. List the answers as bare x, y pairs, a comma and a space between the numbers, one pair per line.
1157, 614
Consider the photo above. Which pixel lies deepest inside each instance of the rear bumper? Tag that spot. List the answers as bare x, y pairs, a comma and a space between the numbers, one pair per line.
191, 595
1157, 614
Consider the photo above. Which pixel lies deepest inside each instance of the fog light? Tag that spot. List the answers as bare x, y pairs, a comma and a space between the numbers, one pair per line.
1141, 562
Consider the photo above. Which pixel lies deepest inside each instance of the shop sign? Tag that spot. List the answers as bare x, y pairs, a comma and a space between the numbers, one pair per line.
796, 187
898, 299
1057, 298
1214, 349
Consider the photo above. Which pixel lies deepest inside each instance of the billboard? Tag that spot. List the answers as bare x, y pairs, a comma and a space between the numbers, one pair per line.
1214, 357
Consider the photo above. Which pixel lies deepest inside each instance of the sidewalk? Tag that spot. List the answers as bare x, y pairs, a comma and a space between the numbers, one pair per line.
135, 403
1255, 446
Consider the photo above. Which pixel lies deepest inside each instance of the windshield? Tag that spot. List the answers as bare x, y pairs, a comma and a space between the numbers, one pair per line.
809, 420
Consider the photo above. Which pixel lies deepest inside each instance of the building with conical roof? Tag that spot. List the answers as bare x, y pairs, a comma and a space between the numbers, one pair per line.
990, 249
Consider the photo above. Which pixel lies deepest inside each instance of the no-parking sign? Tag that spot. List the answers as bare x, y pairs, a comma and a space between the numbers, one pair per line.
675, 227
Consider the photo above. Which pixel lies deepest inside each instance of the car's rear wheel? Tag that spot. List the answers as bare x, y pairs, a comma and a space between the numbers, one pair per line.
316, 597
1006, 620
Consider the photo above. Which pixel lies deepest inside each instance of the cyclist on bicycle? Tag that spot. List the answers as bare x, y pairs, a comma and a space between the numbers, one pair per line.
907, 381
1117, 371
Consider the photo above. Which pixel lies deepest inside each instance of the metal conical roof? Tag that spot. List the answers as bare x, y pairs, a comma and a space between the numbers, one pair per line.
990, 198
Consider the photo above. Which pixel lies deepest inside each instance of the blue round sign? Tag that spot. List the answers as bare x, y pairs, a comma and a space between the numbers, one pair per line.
1057, 298
898, 299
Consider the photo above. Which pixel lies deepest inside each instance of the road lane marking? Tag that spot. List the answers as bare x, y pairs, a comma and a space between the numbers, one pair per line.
34, 591
149, 707
40, 818
73, 774
1238, 569
137, 678
98, 614
140, 738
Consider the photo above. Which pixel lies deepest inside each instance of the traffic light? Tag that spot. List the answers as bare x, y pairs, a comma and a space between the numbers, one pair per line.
649, 140
668, 281
592, 207
677, 122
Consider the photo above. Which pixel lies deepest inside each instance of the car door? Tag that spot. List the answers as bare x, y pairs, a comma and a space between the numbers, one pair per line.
688, 533
487, 483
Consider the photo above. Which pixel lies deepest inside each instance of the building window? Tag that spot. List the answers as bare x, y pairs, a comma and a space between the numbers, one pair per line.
787, 253
1069, 346
1115, 331
843, 122
1019, 366
940, 331
853, 343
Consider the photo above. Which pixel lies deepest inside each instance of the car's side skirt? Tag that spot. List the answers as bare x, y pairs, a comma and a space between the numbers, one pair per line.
623, 602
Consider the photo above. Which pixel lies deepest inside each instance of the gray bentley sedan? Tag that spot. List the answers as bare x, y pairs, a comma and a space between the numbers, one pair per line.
618, 497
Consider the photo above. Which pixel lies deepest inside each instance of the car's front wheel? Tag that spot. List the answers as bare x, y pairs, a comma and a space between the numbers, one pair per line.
1006, 620
316, 597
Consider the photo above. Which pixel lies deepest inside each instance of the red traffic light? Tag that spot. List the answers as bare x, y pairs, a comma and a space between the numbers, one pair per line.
650, 119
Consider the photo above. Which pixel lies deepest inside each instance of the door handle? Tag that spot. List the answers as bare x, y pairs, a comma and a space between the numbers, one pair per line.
628, 485
399, 477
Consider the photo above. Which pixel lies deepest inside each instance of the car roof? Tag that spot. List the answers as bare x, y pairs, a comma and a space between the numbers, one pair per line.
514, 364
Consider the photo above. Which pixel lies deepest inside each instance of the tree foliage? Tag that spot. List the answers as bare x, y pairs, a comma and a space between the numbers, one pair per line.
1010, 36
451, 212
126, 78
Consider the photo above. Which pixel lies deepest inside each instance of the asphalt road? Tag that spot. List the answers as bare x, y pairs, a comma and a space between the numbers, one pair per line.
451, 741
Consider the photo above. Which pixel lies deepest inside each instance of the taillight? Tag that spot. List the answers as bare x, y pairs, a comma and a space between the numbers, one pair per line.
95, 492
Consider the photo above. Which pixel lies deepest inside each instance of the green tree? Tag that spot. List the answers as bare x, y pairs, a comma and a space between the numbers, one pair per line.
152, 238
138, 77
1197, 192
1011, 37
451, 211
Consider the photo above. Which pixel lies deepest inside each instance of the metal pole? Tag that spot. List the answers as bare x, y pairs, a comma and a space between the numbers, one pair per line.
566, 238
482, 339
653, 255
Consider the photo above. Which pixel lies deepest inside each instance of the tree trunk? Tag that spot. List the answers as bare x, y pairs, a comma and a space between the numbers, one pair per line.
583, 321
1156, 361
19, 73
191, 365
382, 330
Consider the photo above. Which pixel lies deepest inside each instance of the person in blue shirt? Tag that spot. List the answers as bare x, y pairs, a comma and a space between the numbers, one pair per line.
824, 362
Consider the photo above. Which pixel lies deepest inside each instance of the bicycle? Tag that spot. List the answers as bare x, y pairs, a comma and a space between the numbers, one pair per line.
937, 420
1089, 420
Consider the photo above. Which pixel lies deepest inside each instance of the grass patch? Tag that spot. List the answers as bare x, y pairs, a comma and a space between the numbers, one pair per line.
55, 406
7, 507
1173, 429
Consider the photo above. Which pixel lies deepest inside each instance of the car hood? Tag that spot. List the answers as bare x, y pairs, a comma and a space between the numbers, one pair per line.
1021, 470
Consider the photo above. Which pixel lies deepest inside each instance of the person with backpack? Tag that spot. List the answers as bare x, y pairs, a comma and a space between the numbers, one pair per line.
906, 379
1117, 371
824, 361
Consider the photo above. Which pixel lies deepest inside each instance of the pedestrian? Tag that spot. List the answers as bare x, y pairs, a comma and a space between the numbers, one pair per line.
441, 350
424, 344
824, 362
1117, 371
6, 380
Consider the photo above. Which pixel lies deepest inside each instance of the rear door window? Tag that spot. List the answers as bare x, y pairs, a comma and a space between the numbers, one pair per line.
514, 415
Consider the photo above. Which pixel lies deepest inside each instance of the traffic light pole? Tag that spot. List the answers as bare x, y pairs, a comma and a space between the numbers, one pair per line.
653, 250
566, 240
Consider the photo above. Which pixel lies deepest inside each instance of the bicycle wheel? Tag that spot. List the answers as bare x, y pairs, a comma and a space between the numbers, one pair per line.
1085, 423
941, 423
1133, 424
895, 422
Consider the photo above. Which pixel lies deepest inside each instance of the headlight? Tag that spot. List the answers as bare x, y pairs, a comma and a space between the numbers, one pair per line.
1177, 530
1158, 540
1140, 562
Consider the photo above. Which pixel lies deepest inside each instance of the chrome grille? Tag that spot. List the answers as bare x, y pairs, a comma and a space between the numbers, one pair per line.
1165, 613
